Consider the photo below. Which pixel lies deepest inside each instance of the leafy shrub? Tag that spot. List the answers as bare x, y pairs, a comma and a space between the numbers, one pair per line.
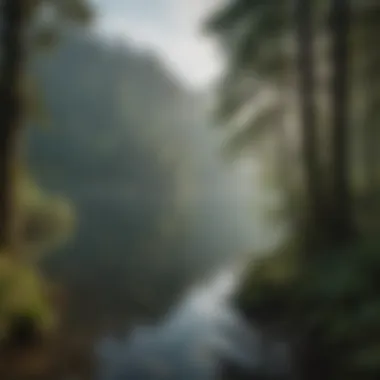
334, 293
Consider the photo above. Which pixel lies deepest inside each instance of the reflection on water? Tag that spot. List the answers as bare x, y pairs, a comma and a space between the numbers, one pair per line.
189, 343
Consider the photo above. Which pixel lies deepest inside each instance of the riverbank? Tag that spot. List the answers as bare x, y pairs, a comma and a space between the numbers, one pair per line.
326, 306
200, 333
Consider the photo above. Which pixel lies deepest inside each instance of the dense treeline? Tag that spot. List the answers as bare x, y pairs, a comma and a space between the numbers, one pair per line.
31, 221
312, 62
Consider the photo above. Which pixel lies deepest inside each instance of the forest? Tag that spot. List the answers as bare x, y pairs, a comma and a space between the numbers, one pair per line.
105, 219
314, 65
98, 180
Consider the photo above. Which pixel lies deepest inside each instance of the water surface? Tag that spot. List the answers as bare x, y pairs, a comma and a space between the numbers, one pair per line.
190, 342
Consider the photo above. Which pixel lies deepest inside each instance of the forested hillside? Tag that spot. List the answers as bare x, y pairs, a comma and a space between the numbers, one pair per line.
127, 144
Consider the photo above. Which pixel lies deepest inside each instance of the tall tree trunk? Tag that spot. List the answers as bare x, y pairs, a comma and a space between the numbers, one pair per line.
10, 114
304, 35
341, 217
371, 144
371, 120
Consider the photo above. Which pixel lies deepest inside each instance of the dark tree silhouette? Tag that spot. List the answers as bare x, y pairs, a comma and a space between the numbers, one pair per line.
305, 39
341, 197
13, 22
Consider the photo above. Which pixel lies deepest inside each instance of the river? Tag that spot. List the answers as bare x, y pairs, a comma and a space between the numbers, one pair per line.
191, 341
203, 329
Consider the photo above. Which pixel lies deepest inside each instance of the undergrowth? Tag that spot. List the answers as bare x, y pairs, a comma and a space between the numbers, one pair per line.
332, 298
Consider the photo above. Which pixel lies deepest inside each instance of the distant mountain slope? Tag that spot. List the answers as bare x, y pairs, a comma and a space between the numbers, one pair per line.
128, 145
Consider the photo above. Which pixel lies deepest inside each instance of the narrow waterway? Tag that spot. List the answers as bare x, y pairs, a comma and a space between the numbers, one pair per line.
204, 330
191, 341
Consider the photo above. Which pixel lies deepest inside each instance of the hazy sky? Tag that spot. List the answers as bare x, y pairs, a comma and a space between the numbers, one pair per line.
171, 27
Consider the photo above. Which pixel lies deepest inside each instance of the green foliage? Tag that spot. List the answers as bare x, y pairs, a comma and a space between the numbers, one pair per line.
79, 11
44, 220
336, 294
47, 220
335, 291
55, 11
267, 284
253, 99
23, 293
253, 130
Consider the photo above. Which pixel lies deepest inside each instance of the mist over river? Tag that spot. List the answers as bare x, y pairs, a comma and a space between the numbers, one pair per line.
203, 328
191, 341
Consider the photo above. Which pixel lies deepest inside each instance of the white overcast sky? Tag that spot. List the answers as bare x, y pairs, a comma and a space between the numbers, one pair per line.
171, 28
